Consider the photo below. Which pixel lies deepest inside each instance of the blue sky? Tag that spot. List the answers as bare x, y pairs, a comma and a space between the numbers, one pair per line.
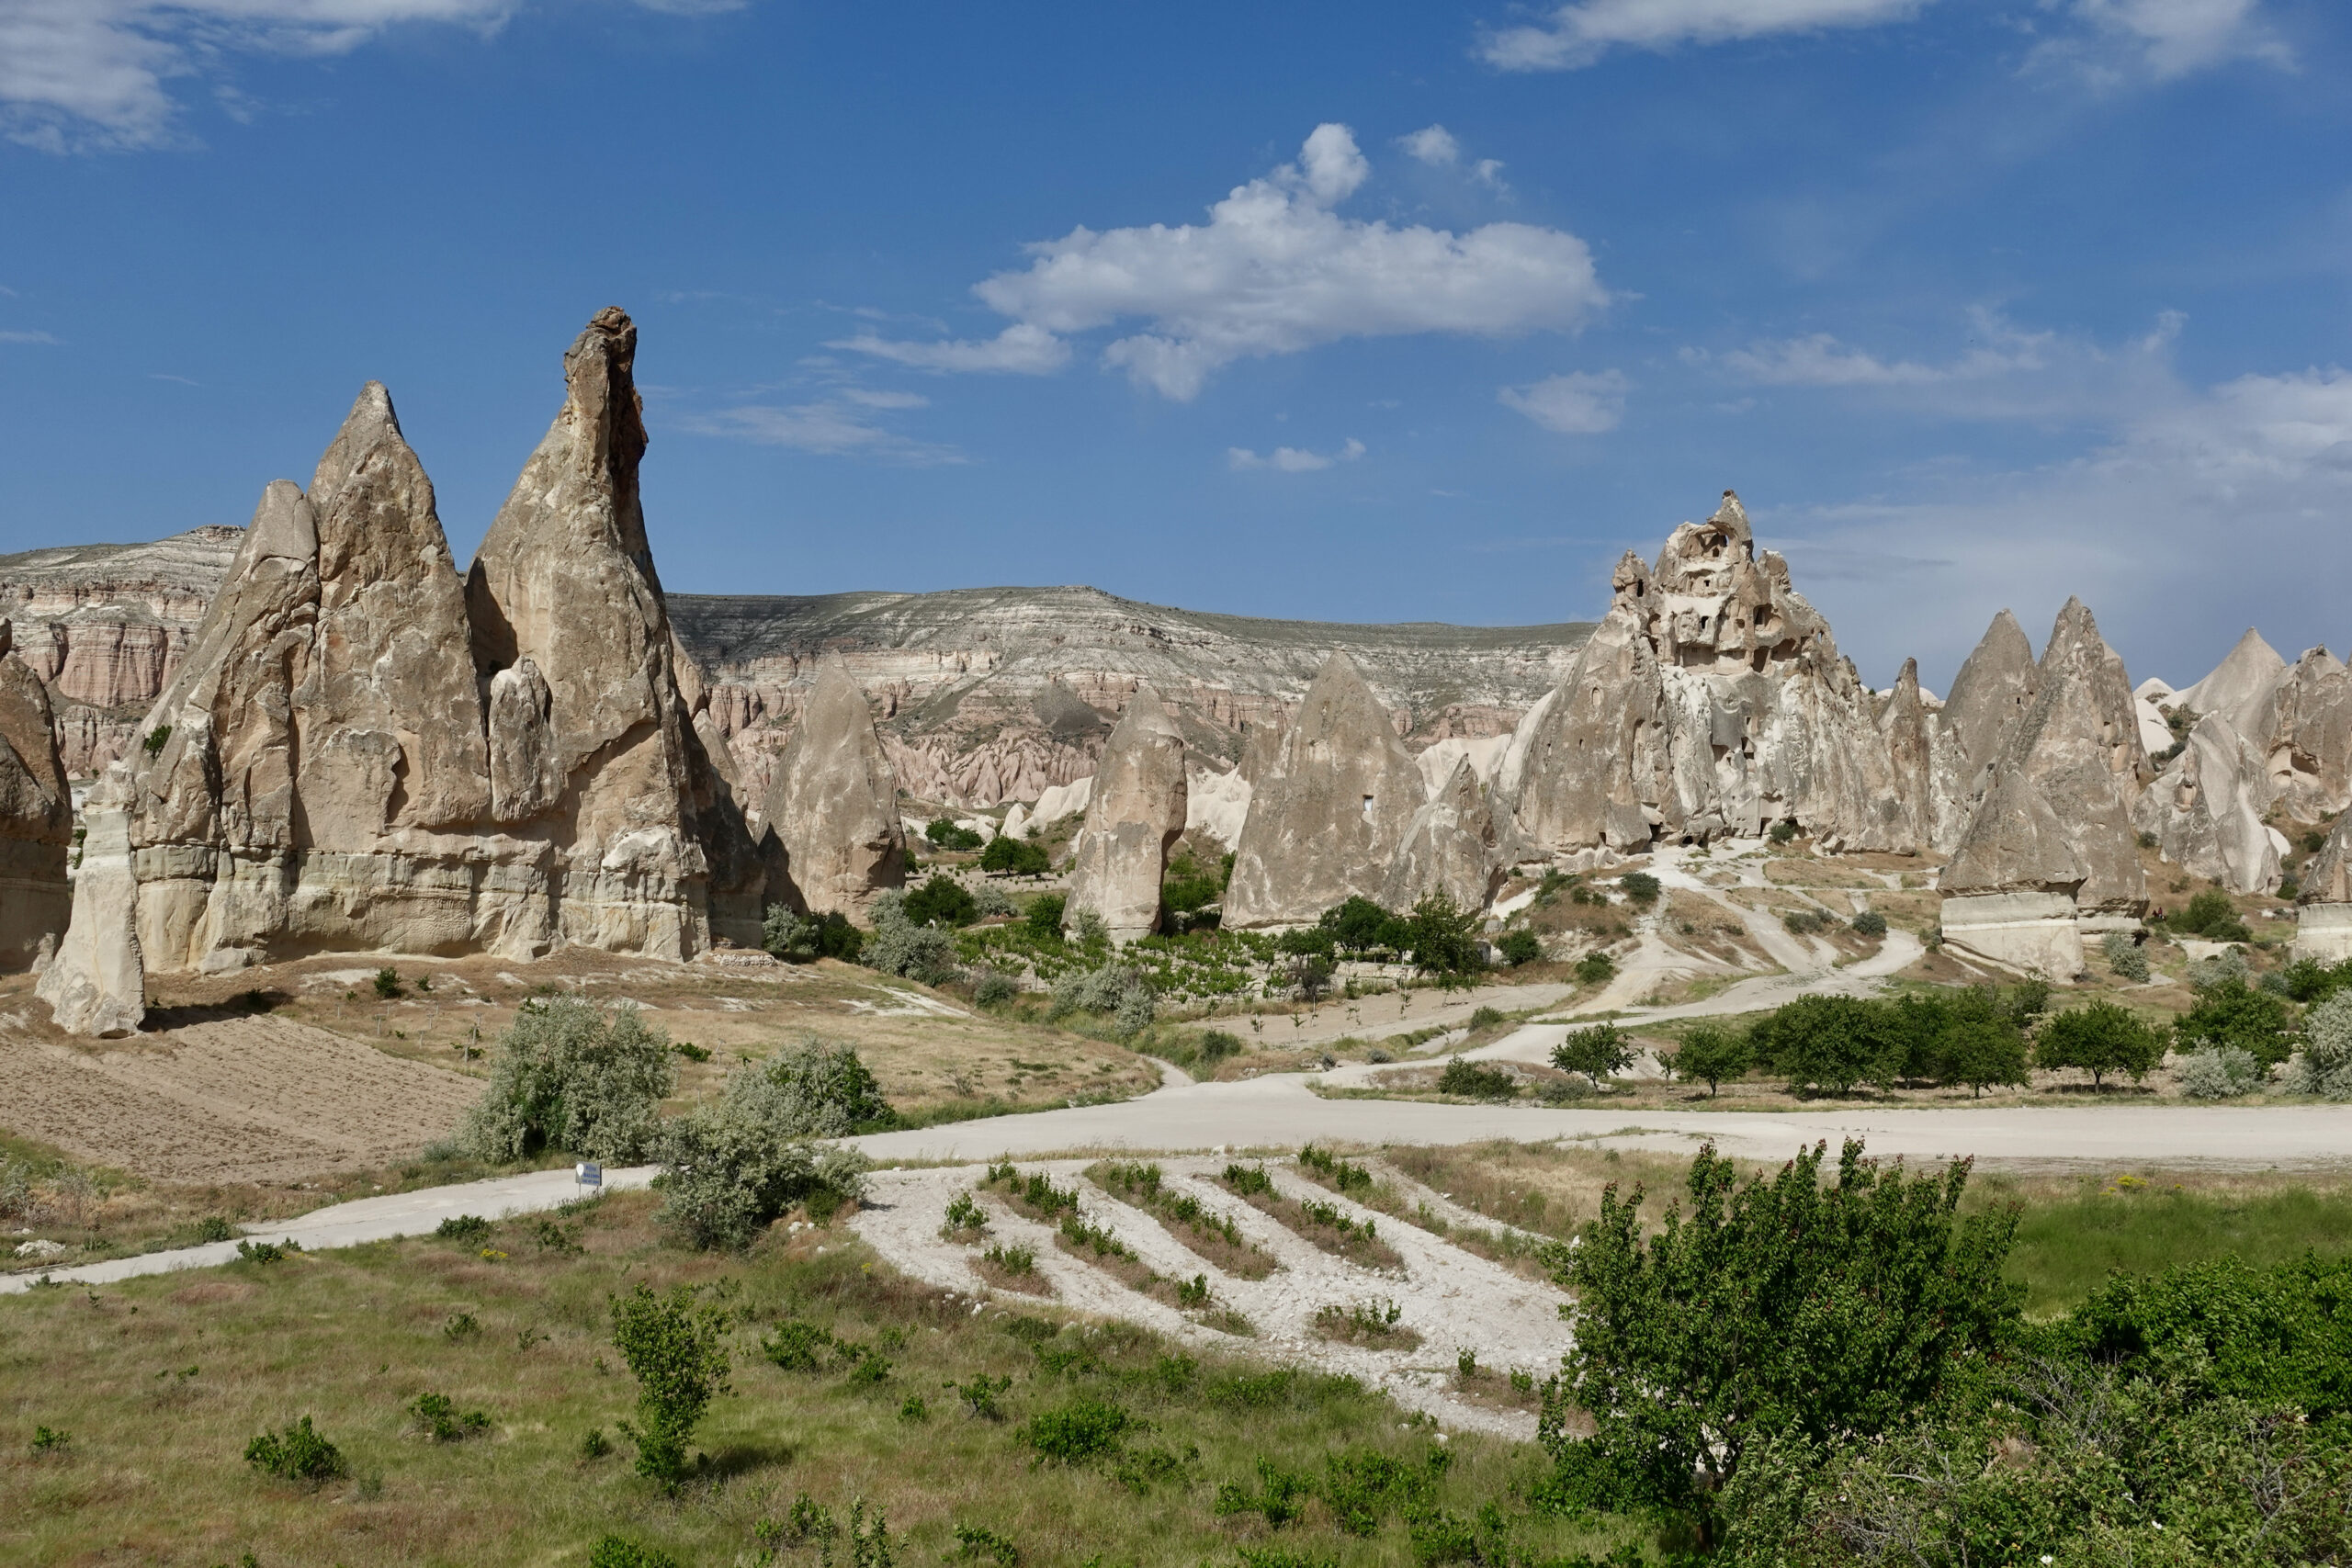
1352, 312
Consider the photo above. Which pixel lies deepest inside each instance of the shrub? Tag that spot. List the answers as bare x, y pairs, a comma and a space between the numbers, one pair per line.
943, 833
299, 1453
1189, 885
618, 1551
941, 901
1783, 831
50, 1440
1216, 1044
2233, 1015
991, 901
1009, 856
1595, 969
735, 1165
388, 983
2324, 1067
1519, 946
2219, 970
1083, 1429
1869, 923
1043, 918
157, 738
1710, 1054
1805, 922
2219, 1074
439, 1418
2125, 957
467, 1228
2212, 916
1105, 989
1467, 1077
1640, 887
2100, 1039
802, 939
2309, 980
566, 1075
909, 947
675, 1345
994, 988
1598, 1052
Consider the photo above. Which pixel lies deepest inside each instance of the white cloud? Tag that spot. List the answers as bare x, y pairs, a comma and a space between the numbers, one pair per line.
1579, 404
26, 337
837, 426
2167, 39
1021, 349
82, 74
1274, 271
1578, 35
1820, 360
1433, 145
1291, 459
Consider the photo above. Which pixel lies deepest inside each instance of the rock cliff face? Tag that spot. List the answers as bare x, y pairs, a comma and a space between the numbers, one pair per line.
2205, 810
2310, 751
2324, 919
1712, 701
36, 816
96, 984
1135, 813
1453, 847
2240, 687
1995, 685
834, 805
1328, 820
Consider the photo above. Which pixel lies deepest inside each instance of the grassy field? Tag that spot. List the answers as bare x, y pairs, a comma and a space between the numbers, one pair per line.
160, 1384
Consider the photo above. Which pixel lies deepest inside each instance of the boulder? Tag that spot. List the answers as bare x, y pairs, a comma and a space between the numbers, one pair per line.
1327, 819
1989, 696
834, 803
36, 816
1452, 847
1135, 816
2240, 688
2310, 744
2205, 810
96, 984
2034, 933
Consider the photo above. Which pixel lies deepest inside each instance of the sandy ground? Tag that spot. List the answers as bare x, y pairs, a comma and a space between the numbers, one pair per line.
255, 1098
1454, 1299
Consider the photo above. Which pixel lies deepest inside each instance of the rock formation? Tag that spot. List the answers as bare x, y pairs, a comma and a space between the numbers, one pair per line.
2324, 912
1907, 726
1134, 817
1452, 847
2205, 810
1216, 805
96, 984
1327, 821
2310, 751
834, 804
36, 816
1989, 697
2239, 688
1712, 701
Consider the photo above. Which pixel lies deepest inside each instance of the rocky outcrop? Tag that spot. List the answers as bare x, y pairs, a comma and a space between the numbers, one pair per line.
1452, 847
2310, 751
2323, 904
1327, 821
36, 816
2205, 810
96, 985
1216, 805
1135, 816
2058, 817
1907, 726
1995, 685
2240, 688
1712, 701
834, 806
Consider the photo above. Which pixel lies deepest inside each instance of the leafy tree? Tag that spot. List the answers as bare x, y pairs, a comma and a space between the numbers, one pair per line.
675, 1345
805, 938
1830, 1043
736, 1165
1782, 1309
1519, 946
1309, 975
2212, 914
1044, 917
943, 833
1982, 1051
1189, 886
1602, 1051
1596, 968
905, 947
2310, 981
1009, 856
2100, 1039
2324, 1067
1711, 1053
1444, 939
1640, 887
1301, 942
2233, 1015
566, 1075
941, 901
1358, 924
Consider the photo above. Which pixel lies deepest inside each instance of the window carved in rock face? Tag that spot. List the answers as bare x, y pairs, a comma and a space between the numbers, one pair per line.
1367, 808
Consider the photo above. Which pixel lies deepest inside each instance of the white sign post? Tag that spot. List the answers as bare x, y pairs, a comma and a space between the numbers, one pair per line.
588, 1176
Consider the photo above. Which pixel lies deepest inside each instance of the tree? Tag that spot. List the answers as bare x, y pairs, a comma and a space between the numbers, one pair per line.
1710, 1054
1780, 1308
675, 1345
1356, 924
2324, 1067
2232, 1014
1444, 939
803, 938
1980, 1051
2212, 916
1044, 916
1598, 1052
1519, 946
735, 1165
566, 1075
943, 833
2099, 1039
941, 901
1830, 1043
1009, 856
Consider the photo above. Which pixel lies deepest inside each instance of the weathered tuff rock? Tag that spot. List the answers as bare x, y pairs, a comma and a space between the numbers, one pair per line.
2058, 817
2324, 916
1328, 820
1216, 805
1135, 816
96, 984
1710, 701
36, 815
363, 751
2311, 739
2240, 688
1995, 685
834, 803
2205, 810
1452, 847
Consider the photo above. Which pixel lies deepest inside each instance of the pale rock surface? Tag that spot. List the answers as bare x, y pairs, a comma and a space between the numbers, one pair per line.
96, 984
2058, 817
1436, 759
2241, 687
1134, 816
2323, 904
1016, 822
1989, 698
1907, 727
1216, 804
2205, 810
1062, 800
1711, 702
1262, 748
1327, 819
2310, 741
834, 804
1452, 847
36, 815
2032, 933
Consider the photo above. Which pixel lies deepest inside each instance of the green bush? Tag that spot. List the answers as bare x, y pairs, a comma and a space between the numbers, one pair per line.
2219, 1073
941, 901
618, 1551
1189, 885
993, 987
471, 1229
1085, 1429
438, 1416
1640, 887
1869, 923
1598, 1052
2124, 955
2310, 981
566, 1075
1519, 946
802, 939
737, 1165
1009, 856
2100, 1039
1476, 1082
1595, 969
1044, 917
2234, 1016
675, 1345
2324, 1067
908, 947
388, 983
1114, 990
299, 1453
2212, 915
1783, 831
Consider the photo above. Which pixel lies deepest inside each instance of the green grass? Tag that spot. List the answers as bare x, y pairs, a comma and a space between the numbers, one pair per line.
2068, 1241
162, 1382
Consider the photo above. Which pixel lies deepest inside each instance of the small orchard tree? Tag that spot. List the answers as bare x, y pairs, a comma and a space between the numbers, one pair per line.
1983, 1051
1831, 1043
1602, 1051
1443, 940
2233, 1015
1357, 924
567, 1075
1710, 1054
1009, 856
2099, 1039
675, 1345
1783, 1308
